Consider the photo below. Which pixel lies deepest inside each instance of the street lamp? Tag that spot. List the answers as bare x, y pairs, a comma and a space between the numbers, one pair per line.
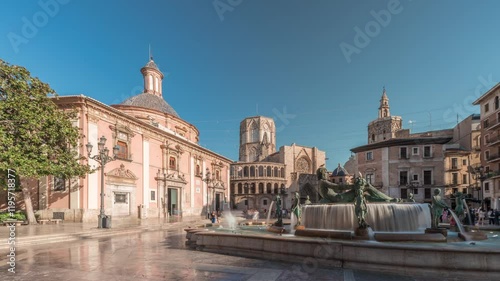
479, 174
102, 158
208, 179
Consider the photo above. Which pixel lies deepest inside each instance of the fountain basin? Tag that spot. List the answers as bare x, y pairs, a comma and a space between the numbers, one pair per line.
461, 261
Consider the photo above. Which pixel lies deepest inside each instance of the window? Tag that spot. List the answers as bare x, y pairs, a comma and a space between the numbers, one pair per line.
415, 151
497, 102
340, 180
122, 150
403, 177
369, 178
264, 202
246, 202
122, 138
415, 191
217, 174
121, 198
454, 178
403, 153
369, 155
427, 193
404, 193
464, 179
172, 163
333, 180
487, 155
428, 177
373, 137
153, 195
486, 123
415, 178
464, 162
486, 187
198, 170
59, 184
486, 107
427, 151
454, 163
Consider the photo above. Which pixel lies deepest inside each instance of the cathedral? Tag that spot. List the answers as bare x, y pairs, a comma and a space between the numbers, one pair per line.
263, 172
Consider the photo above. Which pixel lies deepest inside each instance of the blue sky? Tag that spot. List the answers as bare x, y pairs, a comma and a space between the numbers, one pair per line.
225, 60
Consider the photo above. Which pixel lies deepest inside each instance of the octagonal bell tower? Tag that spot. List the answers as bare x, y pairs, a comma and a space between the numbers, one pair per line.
257, 138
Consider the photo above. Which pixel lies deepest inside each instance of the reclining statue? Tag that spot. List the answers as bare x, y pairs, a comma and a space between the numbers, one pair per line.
334, 193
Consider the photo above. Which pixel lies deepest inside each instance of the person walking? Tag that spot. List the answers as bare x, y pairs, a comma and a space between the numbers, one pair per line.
480, 216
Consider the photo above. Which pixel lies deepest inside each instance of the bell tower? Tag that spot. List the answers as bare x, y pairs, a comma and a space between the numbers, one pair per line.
385, 126
383, 110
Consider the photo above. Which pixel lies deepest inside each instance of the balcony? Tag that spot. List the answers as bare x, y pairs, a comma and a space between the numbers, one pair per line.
493, 158
492, 141
454, 168
493, 174
493, 125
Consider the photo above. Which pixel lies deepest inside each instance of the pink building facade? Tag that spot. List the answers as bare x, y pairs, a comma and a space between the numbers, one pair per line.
160, 169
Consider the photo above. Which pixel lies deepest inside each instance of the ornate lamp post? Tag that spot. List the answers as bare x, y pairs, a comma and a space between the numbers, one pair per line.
102, 158
208, 179
479, 174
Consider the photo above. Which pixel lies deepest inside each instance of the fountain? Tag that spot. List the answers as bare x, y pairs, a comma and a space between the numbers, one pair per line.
375, 233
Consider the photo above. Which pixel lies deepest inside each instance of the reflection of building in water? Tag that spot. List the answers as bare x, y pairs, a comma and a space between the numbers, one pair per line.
263, 172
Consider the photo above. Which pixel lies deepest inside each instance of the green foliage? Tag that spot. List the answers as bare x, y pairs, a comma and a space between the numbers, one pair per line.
20, 216
36, 137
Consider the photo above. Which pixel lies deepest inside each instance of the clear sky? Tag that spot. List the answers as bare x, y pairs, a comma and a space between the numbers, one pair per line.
317, 67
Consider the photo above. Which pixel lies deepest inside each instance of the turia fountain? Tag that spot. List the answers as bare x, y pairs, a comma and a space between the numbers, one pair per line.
357, 226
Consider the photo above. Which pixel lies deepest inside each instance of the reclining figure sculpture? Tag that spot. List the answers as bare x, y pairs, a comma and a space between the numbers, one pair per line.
334, 193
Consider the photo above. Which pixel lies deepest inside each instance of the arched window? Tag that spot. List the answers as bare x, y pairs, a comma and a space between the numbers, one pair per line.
252, 188
275, 172
217, 175
246, 188
261, 187
198, 170
172, 163
276, 189
373, 137
245, 171
269, 188
268, 171
252, 171
497, 102
233, 191
240, 188
282, 172
150, 82
261, 171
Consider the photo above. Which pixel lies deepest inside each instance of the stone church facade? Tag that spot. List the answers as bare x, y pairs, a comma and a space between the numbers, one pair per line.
262, 172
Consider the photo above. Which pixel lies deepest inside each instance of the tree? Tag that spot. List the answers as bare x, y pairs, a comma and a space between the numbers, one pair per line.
36, 137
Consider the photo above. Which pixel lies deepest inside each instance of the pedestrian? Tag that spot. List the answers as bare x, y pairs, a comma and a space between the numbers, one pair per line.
491, 217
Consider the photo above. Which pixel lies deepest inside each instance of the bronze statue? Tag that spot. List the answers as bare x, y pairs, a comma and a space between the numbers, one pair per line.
296, 209
279, 213
334, 193
459, 207
437, 207
360, 208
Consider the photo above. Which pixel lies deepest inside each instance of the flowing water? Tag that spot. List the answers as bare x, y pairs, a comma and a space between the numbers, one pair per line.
460, 226
269, 212
389, 217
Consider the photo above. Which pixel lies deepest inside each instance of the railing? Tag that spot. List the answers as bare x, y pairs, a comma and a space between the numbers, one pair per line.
493, 125
493, 140
493, 157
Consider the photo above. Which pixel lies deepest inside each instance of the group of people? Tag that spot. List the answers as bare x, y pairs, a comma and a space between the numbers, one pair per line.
480, 216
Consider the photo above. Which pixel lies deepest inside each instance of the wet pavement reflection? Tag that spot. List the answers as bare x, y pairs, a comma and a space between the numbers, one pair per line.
159, 255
